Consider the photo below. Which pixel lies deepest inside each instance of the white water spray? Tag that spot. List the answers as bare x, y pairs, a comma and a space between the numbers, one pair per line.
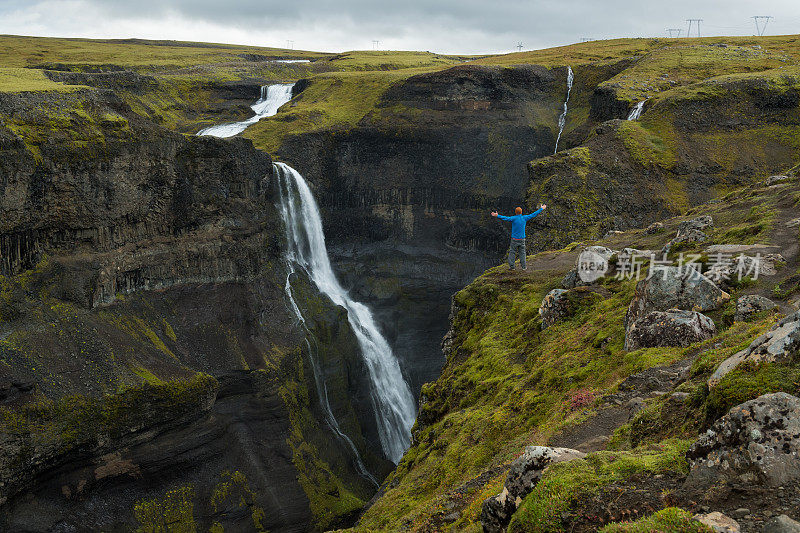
562, 120
636, 111
390, 395
319, 380
272, 98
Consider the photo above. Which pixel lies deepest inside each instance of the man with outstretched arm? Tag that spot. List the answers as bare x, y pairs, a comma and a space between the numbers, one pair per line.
518, 223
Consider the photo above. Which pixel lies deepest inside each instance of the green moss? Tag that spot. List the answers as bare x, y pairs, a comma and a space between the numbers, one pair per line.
233, 492
646, 147
330, 498
787, 287
669, 520
563, 484
174, 513
77, 419
14, 80
749, 381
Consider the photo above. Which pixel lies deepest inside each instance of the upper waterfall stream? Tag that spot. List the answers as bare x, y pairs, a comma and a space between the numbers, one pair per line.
272, 98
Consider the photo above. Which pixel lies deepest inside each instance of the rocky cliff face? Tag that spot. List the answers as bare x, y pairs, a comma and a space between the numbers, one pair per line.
406, 195
133, 257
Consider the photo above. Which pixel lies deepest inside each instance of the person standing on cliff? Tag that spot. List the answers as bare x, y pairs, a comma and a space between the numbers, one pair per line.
518, 223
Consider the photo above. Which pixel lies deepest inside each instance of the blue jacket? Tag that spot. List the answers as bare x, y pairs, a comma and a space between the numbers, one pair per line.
518, 223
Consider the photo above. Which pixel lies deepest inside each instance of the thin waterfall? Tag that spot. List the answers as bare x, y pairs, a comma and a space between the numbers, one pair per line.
390, 395
272, 98
562, 120
636, 111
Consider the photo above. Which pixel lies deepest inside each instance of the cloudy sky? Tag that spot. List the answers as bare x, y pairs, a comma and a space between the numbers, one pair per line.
447, 26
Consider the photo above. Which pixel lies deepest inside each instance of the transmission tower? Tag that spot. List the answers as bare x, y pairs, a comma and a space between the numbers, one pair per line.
289, 44
375, 44
674, 32
689, 31
756, 19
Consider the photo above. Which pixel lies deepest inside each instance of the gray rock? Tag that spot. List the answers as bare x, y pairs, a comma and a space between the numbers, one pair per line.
673, 327
572, 280
775, 180
779, 344
524, 474
553, 307
675, 288
795, 222
782, 524
718, 522
695, 230
750, 304
741, 512
702, 223
756, 443
655, 227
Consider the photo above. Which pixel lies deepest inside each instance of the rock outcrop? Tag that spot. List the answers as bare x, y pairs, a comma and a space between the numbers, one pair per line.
674, 327
524, 474
695, 230
674, 288
779, 344
782, 524
752, 304
756, 443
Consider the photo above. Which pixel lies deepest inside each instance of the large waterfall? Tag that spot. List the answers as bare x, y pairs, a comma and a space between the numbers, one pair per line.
391, 396
272, 98
562, 119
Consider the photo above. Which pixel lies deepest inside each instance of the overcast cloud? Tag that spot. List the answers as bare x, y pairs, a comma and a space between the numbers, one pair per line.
446, 26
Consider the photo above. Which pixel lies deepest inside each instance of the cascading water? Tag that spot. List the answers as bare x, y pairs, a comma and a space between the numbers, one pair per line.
272, 98
319, 381
562, 120
390, 395
636, 111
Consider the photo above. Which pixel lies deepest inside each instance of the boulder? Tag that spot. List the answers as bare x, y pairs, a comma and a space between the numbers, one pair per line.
561, 303
553, 307
756, 443
750, 304
674, 288
655, 227
775, 180
674, 327
718, 522
524, 474
779, 344
572, 280
782, 524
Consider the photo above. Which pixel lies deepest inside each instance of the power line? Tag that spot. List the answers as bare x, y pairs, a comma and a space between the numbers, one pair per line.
689, 31
674, 32
765, 18
519, 46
